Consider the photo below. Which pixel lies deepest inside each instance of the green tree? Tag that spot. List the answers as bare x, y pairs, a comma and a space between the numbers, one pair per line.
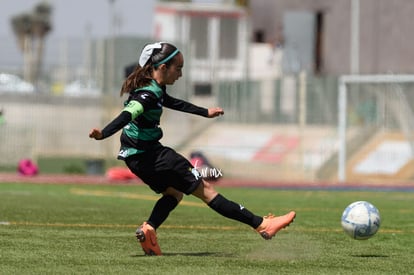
30, 30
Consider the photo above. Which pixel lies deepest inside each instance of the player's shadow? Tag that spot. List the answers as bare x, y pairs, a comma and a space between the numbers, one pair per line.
370, 256
191, 254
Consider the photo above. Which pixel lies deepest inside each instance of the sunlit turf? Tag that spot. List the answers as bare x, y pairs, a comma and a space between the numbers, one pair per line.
89, 229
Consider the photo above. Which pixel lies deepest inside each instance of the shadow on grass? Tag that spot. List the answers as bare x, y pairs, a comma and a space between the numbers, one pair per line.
191, 254
370, 256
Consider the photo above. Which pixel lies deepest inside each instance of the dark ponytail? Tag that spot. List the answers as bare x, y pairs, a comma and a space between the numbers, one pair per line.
142, 76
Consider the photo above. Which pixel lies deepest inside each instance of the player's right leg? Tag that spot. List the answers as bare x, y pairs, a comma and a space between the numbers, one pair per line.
272, 224
267, 226
206, 192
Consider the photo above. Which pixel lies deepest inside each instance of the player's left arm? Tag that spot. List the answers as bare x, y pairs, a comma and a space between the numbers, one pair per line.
130, 112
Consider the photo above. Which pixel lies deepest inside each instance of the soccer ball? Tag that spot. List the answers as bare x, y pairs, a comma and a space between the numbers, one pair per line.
361, 220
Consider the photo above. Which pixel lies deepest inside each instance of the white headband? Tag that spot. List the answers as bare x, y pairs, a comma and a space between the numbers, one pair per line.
147, 52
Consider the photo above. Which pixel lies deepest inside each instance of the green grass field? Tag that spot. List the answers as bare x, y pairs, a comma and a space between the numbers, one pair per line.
89, 229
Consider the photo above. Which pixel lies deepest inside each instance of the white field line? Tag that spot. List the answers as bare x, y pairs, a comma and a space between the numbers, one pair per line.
291, 229
125, 195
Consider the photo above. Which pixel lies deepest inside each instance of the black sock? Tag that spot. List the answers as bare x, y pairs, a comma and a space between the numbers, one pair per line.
161, 210
234, 211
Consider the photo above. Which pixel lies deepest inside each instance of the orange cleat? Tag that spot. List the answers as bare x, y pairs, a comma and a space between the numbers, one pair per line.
147, 237
271, 224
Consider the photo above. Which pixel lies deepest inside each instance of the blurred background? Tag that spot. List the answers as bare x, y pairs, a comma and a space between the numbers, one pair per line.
313, 91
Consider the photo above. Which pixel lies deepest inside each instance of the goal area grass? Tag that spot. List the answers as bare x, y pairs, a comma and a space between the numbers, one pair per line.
89, 229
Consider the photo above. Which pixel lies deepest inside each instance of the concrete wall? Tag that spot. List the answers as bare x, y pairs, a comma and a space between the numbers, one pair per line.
40, 125
385, 41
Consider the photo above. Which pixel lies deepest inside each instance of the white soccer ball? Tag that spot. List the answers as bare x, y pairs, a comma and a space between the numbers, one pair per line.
361, 220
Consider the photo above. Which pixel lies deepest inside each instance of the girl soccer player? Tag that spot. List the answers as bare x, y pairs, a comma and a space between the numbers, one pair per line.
164, 170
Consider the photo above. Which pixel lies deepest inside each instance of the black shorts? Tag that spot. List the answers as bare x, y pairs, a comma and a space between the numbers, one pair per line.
163, 167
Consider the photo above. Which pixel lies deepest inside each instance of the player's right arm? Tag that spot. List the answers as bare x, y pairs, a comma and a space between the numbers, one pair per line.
130, 112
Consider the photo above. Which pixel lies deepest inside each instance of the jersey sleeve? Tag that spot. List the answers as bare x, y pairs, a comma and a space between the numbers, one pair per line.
145, 98
117, 124
183, 106
135, 108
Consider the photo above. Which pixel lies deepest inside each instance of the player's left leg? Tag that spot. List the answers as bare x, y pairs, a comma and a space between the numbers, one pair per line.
147, 237
162, 208
146, 233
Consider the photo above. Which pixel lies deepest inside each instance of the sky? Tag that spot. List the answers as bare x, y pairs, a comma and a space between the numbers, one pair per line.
76, 18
